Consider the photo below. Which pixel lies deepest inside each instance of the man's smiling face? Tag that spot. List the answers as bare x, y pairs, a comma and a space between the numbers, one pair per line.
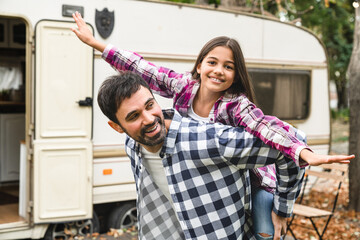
141, 118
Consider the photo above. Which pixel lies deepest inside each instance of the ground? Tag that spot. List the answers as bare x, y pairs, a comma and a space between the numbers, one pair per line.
344, 225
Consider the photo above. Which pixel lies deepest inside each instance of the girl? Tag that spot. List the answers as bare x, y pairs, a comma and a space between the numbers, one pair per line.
218, 89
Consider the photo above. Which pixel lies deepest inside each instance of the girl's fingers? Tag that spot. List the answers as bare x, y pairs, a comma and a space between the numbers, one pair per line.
77, 17
343, 158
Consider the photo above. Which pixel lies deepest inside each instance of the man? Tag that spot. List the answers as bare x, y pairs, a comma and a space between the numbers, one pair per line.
192, 178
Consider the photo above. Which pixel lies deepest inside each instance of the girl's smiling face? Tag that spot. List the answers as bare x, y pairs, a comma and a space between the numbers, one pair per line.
217, 70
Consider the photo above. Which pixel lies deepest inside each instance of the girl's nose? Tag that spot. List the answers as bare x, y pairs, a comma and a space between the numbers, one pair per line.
219, 70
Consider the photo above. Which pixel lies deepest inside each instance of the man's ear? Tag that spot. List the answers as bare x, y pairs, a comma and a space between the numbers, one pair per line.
116, 126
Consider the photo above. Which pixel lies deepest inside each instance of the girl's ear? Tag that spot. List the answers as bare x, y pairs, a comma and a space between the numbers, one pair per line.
198, 68
115, 126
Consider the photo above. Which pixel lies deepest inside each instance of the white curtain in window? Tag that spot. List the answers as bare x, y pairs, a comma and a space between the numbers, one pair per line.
290, 96
10, 77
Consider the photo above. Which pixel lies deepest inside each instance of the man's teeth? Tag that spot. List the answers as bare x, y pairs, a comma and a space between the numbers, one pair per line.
152, 129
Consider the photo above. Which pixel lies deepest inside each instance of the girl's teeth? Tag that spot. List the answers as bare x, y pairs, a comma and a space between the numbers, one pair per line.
216, 80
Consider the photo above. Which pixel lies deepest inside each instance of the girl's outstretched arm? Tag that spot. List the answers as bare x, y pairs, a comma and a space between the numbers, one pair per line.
314, 159
84, 33
273, 132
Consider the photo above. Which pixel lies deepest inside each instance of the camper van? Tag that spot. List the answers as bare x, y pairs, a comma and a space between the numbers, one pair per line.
63, 170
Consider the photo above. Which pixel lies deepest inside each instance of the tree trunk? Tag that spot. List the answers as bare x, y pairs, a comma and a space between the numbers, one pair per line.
354, 140
342, 93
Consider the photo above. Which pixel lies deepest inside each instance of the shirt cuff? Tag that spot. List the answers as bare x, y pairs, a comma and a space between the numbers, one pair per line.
106, 51
300, 162
283, 207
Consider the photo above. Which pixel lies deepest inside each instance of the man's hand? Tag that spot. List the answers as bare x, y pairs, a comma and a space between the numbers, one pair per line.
84, 33
316, 159
280, 225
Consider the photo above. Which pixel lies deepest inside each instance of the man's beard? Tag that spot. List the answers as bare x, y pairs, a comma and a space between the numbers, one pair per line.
154, 140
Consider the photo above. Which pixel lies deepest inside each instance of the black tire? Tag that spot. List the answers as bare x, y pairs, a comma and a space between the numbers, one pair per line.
123, 216
95, 222
78, 228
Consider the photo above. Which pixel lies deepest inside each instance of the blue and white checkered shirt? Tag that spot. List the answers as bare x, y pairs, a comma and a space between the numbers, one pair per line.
207, 168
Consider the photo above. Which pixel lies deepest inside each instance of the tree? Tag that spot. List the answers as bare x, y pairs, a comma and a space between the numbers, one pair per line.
354, 140
332, 22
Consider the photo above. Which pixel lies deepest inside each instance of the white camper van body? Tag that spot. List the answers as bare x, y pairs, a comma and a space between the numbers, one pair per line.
70, 160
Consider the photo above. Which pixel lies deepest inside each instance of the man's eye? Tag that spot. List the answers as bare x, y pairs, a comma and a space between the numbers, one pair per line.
150, 105
133, 116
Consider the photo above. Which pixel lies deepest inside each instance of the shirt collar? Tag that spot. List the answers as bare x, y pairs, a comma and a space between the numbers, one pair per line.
169, 143
132, 144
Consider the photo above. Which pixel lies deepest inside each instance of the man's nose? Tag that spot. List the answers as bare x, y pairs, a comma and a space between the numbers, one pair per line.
148, 118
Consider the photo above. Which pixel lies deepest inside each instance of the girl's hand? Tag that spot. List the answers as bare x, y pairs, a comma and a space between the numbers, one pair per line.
84, 33
280, 225
316, 159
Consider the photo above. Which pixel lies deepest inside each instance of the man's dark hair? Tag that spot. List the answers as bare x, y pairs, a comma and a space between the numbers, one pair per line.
115, 89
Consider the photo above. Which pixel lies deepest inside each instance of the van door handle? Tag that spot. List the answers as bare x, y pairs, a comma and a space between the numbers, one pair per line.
88, 102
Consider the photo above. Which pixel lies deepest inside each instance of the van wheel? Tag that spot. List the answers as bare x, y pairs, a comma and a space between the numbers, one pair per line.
123, 216
69, 230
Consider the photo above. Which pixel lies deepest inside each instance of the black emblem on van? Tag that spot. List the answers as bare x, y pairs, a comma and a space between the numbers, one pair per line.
104, 21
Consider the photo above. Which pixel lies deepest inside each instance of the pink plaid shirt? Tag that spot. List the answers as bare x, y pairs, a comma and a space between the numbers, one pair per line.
234, 110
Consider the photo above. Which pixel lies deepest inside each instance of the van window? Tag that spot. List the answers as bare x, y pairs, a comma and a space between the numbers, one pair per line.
282, 93
19, 33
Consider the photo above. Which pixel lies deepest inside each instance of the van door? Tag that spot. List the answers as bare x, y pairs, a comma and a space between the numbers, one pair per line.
62, 172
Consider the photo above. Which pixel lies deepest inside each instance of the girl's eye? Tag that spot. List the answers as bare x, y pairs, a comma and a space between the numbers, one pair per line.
229, 67
211, 62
